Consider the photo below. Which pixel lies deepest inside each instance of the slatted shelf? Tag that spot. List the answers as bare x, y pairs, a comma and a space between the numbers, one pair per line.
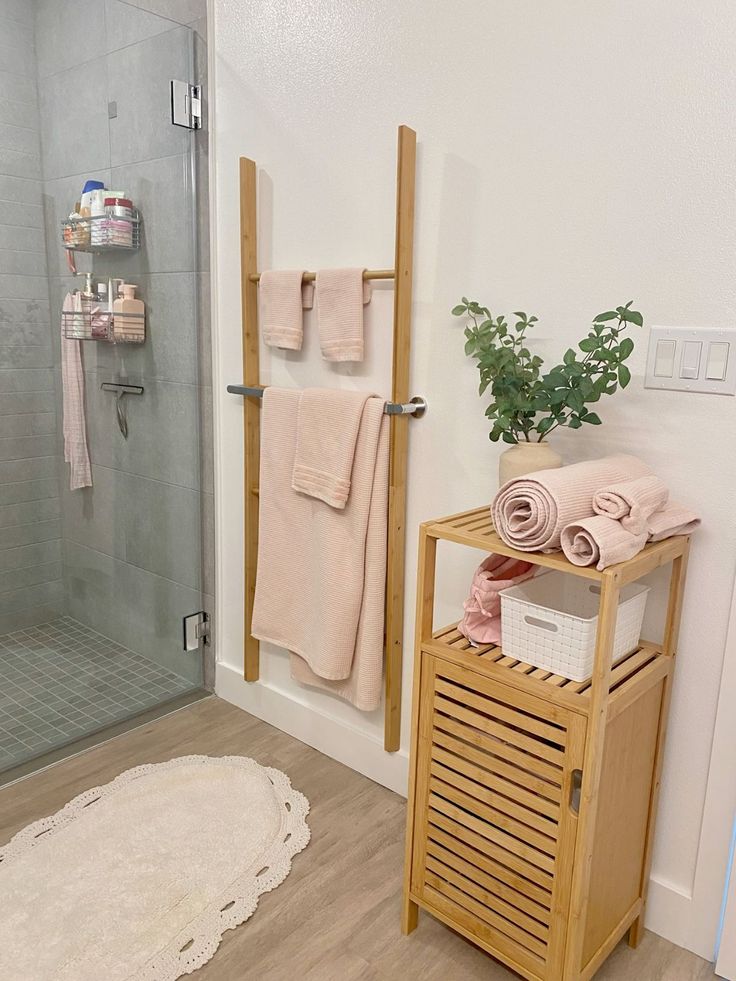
475, 529
647, 659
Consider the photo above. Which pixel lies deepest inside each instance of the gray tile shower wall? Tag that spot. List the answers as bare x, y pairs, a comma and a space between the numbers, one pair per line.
132, 544
30, 514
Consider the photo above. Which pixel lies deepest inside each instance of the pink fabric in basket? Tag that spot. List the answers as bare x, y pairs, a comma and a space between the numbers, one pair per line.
481, 623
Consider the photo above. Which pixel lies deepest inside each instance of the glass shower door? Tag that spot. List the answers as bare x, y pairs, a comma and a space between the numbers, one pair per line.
91, 633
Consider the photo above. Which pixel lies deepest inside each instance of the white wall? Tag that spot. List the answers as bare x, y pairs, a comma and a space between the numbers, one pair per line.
572, 156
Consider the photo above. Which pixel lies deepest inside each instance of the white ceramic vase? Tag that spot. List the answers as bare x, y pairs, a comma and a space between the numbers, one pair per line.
526, 458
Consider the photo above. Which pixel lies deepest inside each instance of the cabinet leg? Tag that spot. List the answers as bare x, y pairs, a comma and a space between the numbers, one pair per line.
636, 931
409, 916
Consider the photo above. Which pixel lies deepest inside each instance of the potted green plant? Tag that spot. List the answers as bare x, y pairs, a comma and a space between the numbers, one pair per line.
529, 404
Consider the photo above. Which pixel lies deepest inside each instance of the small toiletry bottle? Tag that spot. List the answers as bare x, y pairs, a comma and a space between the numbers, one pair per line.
129, 318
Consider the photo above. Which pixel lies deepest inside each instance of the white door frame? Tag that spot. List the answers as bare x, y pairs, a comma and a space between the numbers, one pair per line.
718, 822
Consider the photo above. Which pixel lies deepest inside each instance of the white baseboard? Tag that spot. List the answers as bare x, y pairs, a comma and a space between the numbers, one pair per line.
323, 732
673, 914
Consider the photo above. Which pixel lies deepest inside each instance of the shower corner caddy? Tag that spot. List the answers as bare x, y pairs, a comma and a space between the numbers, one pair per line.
102, 234
399, 410
532, 798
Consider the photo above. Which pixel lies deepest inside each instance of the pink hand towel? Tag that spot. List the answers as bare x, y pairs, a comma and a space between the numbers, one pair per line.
341, 294
673, 519
530, 512
632, 501
74, 426
320, 587
326, 433
481, 623
283, 297
600, 541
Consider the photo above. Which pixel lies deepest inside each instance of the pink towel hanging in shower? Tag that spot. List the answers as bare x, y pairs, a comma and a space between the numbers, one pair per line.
72, 386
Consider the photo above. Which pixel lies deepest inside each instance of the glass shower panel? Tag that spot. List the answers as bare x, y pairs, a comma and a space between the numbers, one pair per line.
95, 581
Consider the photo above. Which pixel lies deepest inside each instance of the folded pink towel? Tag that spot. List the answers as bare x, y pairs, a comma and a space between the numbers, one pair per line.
326, 434
341, 294
482, 621
600, 541
283, 297
673, 519
320, 587
530, 512
74, 425
632, 501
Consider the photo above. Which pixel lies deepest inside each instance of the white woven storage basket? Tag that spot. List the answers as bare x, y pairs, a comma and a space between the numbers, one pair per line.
551, 621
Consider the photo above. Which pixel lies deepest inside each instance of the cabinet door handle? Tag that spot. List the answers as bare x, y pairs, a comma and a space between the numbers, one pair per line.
576, 783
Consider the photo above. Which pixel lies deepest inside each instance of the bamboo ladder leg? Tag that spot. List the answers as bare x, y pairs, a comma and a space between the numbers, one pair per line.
251, 407
592, 766
399, 435
424, 622
669, 649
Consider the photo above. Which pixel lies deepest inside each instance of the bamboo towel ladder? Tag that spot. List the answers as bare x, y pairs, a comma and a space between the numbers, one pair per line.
399, 436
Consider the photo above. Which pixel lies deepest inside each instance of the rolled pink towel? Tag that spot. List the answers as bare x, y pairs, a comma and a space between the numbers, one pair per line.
600, 541
481, 623
283, 297
632, 501
341, 294
530, 512
673, 519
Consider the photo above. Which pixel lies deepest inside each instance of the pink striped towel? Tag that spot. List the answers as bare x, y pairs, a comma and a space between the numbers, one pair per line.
320, 587
74, 426
341, 295
632, 502
283, 297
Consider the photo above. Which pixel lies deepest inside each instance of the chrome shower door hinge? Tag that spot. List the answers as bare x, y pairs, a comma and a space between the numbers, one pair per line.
196, 630
186, 104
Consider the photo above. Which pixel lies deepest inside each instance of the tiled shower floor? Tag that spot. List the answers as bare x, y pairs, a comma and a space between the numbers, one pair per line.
60, 681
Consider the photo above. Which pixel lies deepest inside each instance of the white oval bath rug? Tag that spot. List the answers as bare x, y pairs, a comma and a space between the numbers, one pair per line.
138, 880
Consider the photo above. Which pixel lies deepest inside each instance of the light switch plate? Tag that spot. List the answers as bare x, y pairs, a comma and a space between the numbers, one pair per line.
690, 374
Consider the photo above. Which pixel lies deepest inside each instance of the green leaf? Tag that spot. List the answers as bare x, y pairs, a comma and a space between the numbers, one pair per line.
624, 375
459, 310
636, 318
589, 344
593, 419
574, 423
508, 437
625, 348
607, 315
569, 356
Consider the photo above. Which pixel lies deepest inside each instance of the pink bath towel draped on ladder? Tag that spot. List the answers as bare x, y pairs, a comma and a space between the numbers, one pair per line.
74, 426
320, 585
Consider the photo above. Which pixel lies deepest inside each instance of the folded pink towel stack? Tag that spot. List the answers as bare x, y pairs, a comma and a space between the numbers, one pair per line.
327, 431
283, 297
530, 512
341, 294
632, 502
482, 621
600, 541
320, 588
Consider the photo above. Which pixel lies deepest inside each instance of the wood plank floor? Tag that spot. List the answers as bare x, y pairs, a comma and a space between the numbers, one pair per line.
336, 917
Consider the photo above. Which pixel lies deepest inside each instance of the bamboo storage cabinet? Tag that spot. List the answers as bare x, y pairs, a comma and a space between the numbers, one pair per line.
532, 798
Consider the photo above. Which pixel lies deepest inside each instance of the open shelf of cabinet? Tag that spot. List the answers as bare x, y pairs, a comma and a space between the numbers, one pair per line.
532, 798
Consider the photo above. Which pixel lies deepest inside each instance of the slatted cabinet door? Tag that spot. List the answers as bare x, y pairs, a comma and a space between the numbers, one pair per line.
494, 830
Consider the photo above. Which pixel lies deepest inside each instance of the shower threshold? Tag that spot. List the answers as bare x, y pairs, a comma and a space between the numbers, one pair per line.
65, 687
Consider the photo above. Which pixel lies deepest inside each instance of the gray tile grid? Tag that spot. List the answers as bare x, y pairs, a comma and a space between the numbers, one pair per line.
60, 681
